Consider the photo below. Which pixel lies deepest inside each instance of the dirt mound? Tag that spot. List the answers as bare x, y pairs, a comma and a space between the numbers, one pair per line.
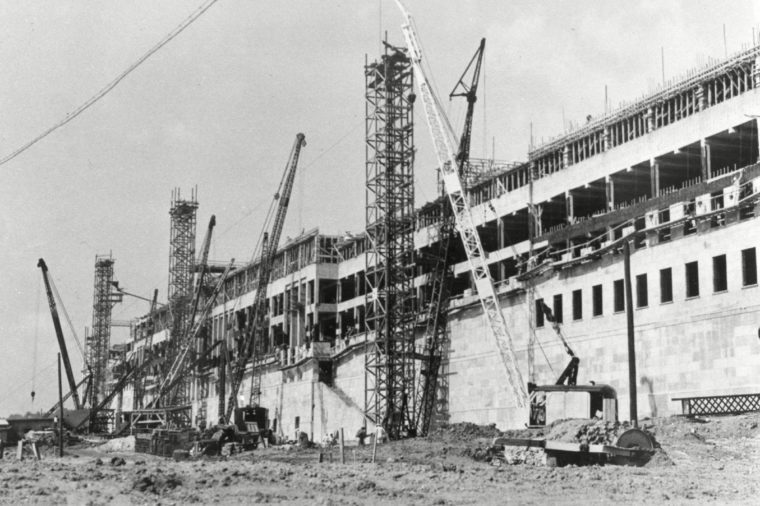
121, 444
465, 431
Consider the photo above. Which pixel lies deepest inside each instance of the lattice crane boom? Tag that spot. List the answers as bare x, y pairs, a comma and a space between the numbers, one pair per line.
59, 334
255, 329
446, 152
179, 366
471, 94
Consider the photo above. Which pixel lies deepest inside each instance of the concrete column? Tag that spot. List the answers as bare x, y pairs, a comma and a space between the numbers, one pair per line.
706, 159
756, 72
610, 191
565, 157
649, 116
606, 138
654, 176
569, 207
701, 97
501, 242
757, 125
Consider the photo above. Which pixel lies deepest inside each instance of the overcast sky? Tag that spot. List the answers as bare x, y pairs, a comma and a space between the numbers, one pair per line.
219, 108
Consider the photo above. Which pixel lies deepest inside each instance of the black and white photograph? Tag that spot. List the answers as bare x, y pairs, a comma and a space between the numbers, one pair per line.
379, 252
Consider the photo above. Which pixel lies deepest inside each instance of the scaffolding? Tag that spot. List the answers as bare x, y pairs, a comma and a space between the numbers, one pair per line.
99, 340
181, 261
390, 299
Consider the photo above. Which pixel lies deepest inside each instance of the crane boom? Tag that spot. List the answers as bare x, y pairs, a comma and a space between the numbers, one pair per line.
471, 94
255, 328
203, 266
59, 334
178, 368
446, 152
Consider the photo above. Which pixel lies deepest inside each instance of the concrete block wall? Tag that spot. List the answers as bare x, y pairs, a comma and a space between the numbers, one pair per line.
705, 345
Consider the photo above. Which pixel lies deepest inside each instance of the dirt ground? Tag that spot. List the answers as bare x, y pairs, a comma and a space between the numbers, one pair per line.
713, 460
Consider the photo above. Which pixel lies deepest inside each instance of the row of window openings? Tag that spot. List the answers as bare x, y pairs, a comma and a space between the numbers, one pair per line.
720, 284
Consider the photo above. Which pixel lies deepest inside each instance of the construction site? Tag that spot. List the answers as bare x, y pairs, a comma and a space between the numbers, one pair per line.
580, 326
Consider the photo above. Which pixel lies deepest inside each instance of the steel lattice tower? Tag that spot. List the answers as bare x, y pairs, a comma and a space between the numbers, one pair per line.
99, 341
181, 260
390, 302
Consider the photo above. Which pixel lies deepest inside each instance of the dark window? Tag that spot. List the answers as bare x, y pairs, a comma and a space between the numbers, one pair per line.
596, 291
749, 267
539, 312
558, 308
577, 304
642, 292
666, 285
720, 281
619, 291
692, 279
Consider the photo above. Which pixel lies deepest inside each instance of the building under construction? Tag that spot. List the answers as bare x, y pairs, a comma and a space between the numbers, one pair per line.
390, 326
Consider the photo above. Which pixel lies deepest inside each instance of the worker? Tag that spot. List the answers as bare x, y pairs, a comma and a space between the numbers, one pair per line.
361, 435
380, 435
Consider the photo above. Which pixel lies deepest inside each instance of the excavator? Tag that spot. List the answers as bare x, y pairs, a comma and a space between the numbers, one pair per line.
559, 400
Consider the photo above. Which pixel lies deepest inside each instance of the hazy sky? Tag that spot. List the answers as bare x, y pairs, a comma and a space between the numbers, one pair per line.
219, 107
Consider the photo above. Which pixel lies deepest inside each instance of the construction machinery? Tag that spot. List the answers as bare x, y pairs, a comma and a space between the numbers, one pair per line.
59, 334
255, 330
565, 398
441, 276
446, 153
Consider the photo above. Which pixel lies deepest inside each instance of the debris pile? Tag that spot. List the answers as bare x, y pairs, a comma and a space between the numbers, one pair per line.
465, 431
587, 431
120, 444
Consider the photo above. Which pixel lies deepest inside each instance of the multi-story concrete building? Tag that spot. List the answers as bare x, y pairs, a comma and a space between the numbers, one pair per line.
676, 173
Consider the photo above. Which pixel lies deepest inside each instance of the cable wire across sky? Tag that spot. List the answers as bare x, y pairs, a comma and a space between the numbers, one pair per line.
103, 92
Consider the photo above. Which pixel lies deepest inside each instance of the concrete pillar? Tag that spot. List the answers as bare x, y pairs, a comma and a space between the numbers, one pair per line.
700, 95
654, 177
706, 159
565, 157
756, 72
610, 191
606, 138
569, 207
757, 125
649, 116
501, 242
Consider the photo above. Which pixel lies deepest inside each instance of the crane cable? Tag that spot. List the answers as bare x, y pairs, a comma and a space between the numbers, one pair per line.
103, 92
68, 319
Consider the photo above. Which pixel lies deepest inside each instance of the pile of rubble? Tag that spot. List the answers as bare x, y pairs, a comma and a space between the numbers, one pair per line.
465, 431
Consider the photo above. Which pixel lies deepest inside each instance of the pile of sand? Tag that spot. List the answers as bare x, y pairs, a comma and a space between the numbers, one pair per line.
120, 444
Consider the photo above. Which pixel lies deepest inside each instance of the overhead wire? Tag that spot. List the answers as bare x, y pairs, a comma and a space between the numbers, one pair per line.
110, 86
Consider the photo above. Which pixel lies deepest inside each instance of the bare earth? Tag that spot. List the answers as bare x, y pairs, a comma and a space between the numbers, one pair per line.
716, 460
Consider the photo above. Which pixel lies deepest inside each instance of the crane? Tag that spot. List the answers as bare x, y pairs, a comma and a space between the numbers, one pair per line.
255, 329
471, 94
202, 267
441, 275
179, 368
59, 334
444, 146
